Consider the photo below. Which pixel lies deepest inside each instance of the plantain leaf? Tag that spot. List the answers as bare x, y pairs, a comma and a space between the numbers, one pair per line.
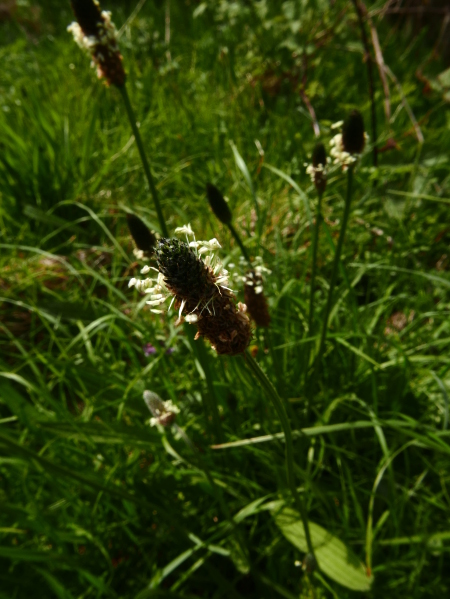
334, 558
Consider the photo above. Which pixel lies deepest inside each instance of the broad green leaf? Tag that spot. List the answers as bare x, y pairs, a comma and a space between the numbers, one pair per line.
334, 558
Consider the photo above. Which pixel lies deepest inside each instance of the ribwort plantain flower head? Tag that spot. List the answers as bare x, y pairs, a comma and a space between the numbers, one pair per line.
95, 33
318, 169
190, 273
348, 145
218, 204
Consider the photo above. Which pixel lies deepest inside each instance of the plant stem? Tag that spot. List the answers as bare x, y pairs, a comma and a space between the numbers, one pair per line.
145, 164
289, 446
311, 293
337, 258
239, 242
369, 61
314, 265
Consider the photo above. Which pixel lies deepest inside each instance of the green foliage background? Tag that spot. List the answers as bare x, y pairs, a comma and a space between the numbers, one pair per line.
94, 502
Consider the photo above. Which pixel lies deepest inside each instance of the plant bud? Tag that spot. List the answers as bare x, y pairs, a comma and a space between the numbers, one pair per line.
144, 239
218, 204
353, 138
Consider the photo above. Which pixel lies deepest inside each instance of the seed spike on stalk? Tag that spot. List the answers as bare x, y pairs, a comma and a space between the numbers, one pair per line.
218, 204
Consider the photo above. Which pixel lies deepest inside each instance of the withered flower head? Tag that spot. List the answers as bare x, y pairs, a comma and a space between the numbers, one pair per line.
199, 289
95, 33
144, 239
317, 170
164, 412
218, 204
347, 146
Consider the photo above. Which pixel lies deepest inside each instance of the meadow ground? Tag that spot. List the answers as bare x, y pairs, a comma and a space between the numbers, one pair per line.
94, 502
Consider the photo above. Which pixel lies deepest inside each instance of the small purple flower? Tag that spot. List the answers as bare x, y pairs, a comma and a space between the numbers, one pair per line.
170, 350
149, 350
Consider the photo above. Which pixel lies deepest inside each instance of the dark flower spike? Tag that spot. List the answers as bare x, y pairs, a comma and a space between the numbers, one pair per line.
317, 170
353, 138
199, 291
218, 204
347, 146
144, 239
95, 33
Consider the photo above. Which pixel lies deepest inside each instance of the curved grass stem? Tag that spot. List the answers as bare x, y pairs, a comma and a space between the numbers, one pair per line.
289, 446
145, 164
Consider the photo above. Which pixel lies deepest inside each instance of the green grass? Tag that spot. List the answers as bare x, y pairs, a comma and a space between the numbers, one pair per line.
93, 501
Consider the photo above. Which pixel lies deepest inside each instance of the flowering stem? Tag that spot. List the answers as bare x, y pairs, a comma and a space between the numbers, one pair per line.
147, 171
239, 242
337, 258
289, 446
314, 265
313, 284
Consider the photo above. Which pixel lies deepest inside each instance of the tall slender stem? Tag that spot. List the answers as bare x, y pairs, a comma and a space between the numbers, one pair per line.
337, 258
369, 61
145, 164
289, 446
314, 265
239, 242
311, 293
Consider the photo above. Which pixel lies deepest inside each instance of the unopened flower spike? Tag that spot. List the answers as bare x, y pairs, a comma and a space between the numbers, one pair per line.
143, 238
163, 412
191, 274
218, 204
347, 146
95, 33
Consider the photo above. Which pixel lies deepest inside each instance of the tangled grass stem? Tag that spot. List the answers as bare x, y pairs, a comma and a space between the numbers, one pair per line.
289, 446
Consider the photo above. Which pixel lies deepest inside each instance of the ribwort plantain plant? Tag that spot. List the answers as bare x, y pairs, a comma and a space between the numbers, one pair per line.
347, 147
95, 33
